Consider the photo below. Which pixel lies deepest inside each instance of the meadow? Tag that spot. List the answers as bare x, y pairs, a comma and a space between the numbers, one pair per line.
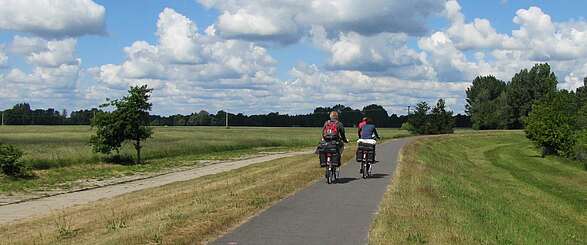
483, 188
60, 155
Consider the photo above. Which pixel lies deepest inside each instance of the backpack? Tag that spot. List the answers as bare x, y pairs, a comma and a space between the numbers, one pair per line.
330, 131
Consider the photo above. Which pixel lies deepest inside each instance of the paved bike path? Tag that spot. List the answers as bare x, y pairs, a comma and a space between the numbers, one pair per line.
340, 213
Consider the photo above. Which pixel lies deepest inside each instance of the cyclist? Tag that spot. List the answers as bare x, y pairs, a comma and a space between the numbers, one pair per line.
360, 126
368, 136
368, 131
333, 130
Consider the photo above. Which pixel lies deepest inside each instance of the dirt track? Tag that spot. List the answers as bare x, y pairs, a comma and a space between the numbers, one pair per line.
42, 206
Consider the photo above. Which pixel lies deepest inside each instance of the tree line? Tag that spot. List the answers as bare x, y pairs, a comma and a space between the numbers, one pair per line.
22, 114
495, 104
555, 120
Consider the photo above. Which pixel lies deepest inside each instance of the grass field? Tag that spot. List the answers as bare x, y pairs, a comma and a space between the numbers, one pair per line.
61, 154
189, 212
486, 188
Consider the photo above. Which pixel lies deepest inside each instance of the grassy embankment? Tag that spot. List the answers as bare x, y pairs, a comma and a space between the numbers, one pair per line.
486, 188
189, 212
61, 155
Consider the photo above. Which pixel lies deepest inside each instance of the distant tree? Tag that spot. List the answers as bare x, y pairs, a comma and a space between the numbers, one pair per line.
462, 121
378, 114
441, 121
552, 123
419, 119
485, 103
20, 114
204, 118
83, 117
128, 121
426, 121
193, 119
526, 88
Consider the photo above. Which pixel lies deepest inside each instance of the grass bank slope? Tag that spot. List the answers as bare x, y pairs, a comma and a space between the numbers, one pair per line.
484, 188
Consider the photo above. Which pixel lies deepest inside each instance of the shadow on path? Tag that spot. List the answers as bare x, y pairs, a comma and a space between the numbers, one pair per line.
345, 180
378, 176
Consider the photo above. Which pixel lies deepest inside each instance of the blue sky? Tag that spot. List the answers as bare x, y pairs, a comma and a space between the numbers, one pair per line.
289, 56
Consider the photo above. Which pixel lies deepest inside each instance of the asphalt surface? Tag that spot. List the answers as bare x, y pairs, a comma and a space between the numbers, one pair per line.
339, 213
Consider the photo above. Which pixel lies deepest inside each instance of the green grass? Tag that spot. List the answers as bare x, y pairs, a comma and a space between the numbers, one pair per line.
61, 154
484, 188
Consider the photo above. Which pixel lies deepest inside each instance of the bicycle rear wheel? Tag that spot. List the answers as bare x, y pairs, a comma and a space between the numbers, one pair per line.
364, 170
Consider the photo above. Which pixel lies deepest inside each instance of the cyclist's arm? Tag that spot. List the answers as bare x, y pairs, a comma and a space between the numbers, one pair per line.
322, 133
376, 134
342, 134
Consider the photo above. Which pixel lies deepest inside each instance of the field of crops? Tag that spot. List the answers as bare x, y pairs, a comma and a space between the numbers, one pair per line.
58, 146
61, 153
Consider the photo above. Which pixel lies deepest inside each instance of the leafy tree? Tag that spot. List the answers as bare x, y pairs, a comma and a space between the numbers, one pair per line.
462, 121
419, 119
552, 123
435, 121
526, 88
378, 114
10, 162
582, 93
127, 122
441, 121
485, 103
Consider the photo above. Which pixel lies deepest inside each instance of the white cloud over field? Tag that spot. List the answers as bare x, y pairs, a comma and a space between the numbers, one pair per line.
375, 53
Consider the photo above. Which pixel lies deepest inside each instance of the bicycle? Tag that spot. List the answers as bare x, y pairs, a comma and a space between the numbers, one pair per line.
331, 170
365, 166
366, 156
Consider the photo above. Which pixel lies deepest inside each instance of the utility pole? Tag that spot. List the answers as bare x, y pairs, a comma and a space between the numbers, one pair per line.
226, 113
409, 110
2, 118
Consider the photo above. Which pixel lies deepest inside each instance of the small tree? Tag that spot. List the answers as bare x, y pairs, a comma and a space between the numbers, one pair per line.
128, 121
441, 120
10, 162
552, 123
419, 119
437, 121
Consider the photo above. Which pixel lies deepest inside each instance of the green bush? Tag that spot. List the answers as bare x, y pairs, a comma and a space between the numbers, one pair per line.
552, 124
10, 162
407, 126
580, 150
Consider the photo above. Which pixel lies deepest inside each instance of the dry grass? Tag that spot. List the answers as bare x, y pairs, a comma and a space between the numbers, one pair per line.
189, 212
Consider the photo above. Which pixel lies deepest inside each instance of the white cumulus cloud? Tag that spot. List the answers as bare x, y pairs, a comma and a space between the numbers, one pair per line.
53, 18
185, 65
3, 57
286, 21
